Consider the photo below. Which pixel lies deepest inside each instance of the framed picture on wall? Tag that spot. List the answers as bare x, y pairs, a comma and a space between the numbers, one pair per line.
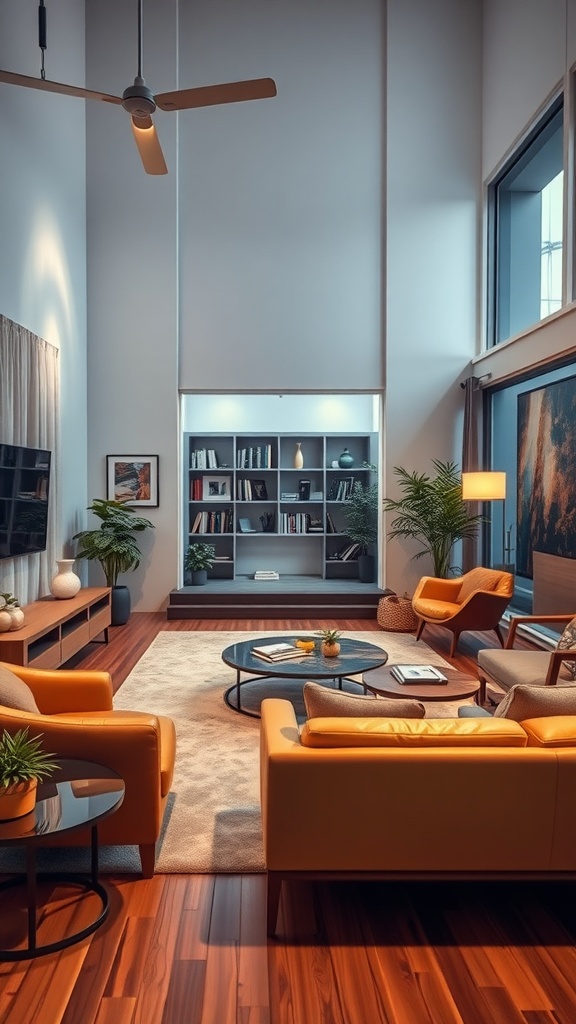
133, 479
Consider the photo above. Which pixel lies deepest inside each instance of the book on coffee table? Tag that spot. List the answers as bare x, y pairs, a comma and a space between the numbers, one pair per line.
417, 674
279, 652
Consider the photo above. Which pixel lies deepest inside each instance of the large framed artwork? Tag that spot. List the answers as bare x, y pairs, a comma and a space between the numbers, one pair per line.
546, 473
133, 479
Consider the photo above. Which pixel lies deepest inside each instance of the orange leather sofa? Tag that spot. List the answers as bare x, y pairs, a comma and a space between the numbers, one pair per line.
416, 798
78, 721
477, 600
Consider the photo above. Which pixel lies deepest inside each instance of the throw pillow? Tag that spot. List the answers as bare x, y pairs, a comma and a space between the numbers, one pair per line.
567, 642
525, 701
15, 694
320, 702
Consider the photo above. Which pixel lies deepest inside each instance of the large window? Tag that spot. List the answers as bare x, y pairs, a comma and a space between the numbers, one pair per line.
526, 243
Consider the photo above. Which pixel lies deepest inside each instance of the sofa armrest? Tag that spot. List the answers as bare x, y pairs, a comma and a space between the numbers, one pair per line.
63, 690
521, 620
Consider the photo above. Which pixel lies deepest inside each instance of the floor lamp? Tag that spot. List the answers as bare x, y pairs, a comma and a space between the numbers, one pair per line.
487, 486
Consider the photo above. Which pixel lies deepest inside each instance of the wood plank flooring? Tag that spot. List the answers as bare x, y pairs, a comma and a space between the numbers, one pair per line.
193, 950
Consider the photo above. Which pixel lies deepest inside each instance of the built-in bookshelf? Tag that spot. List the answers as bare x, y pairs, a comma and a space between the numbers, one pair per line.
244, 494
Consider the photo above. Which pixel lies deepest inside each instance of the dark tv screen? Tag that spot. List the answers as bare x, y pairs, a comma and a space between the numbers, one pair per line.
24, 489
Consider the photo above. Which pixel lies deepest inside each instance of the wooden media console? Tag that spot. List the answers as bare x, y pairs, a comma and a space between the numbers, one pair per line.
55, 629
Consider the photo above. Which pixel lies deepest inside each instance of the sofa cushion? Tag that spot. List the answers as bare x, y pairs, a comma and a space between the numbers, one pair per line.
320, 702
402, 732
567, 642
551, 732
15, 694
523, 702
509, 667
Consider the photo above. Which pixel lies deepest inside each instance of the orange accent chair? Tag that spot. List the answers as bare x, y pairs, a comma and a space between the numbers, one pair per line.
476, 600
76, 719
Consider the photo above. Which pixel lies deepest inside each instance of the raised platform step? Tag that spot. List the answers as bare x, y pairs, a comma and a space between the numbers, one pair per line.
290, 597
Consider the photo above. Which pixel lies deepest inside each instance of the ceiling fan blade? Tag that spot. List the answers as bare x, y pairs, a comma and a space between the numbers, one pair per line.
149, 147
208, 95
11, 78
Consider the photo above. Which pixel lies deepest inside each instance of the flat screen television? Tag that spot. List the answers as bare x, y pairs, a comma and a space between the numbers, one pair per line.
24, 490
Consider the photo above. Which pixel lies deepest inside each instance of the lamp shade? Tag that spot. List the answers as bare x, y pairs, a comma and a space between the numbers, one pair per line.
486, 486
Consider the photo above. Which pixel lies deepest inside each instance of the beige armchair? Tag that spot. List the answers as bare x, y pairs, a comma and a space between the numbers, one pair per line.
506, 668
476, 600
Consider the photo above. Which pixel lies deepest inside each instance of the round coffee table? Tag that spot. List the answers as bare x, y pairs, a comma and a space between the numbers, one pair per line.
460, 685
355, 658
90, 794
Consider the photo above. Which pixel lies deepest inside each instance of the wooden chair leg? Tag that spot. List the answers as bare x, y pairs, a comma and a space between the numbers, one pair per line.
147, 859
421, 624
498, 632
274, 886
454, 644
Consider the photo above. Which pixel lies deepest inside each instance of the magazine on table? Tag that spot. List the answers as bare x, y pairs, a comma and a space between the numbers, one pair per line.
279, 652
418, 674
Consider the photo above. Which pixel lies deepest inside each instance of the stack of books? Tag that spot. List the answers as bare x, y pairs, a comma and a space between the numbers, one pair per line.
417, 674
279, 652
266, 574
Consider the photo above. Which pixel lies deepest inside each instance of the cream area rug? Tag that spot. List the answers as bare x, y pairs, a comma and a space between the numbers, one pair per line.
214, 824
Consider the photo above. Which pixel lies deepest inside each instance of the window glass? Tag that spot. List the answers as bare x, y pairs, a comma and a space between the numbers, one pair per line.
526, 203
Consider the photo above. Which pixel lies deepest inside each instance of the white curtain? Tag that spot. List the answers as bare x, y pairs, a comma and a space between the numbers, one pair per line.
30, 415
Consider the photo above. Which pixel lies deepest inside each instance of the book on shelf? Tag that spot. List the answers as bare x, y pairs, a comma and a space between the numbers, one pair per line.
418, 674
279, 652
266, 574
245, 526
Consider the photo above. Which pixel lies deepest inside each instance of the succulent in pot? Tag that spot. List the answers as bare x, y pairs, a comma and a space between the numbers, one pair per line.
329, 644
11, 614
23, 763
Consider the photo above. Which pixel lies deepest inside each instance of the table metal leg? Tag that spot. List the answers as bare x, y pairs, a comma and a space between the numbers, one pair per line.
31, 893
94, 856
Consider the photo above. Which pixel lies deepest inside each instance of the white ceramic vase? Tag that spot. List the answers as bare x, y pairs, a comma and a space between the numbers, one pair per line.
298, 456
65, 583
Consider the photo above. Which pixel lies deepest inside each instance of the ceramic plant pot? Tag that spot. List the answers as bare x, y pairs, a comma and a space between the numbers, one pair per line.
330, 650
18, 799
120, 606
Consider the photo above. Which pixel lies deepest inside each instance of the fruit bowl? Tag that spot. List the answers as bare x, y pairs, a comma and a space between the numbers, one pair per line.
305, 643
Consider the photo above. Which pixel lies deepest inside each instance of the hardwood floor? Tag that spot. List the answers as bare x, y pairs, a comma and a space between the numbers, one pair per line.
193, 949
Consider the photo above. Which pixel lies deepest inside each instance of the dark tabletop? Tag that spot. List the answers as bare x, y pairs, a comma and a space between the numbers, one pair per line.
355, 656
81, 793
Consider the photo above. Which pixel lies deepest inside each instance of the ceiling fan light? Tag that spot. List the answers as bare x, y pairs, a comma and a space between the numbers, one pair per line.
149, 148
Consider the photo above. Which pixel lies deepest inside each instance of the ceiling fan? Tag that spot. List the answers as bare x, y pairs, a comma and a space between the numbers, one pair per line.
140, 102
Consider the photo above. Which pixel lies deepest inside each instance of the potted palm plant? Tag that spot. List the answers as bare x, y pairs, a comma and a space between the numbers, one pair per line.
431, 511
361, 515
115, 547
23, 763
198, 560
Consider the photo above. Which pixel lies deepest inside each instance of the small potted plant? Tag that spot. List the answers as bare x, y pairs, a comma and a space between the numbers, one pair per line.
22, 763
329, 642
198, 560
11, 614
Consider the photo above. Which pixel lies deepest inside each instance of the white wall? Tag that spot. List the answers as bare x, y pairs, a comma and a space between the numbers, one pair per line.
321, 414
432, 207
42, 219
281, 199
133, 282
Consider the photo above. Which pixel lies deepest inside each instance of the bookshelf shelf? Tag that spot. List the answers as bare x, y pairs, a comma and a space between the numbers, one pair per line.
272, 515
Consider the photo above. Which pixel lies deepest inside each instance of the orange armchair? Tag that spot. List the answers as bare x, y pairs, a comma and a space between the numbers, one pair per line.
476, 600
77, 720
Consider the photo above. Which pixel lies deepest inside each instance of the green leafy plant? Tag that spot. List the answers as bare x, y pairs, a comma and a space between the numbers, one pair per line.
199, 556
361, 513
8, 601
23, 759
113, 544
431, 510
329, 636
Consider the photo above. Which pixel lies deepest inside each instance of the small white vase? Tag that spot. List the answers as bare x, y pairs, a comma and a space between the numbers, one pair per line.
65, 583
298, 456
